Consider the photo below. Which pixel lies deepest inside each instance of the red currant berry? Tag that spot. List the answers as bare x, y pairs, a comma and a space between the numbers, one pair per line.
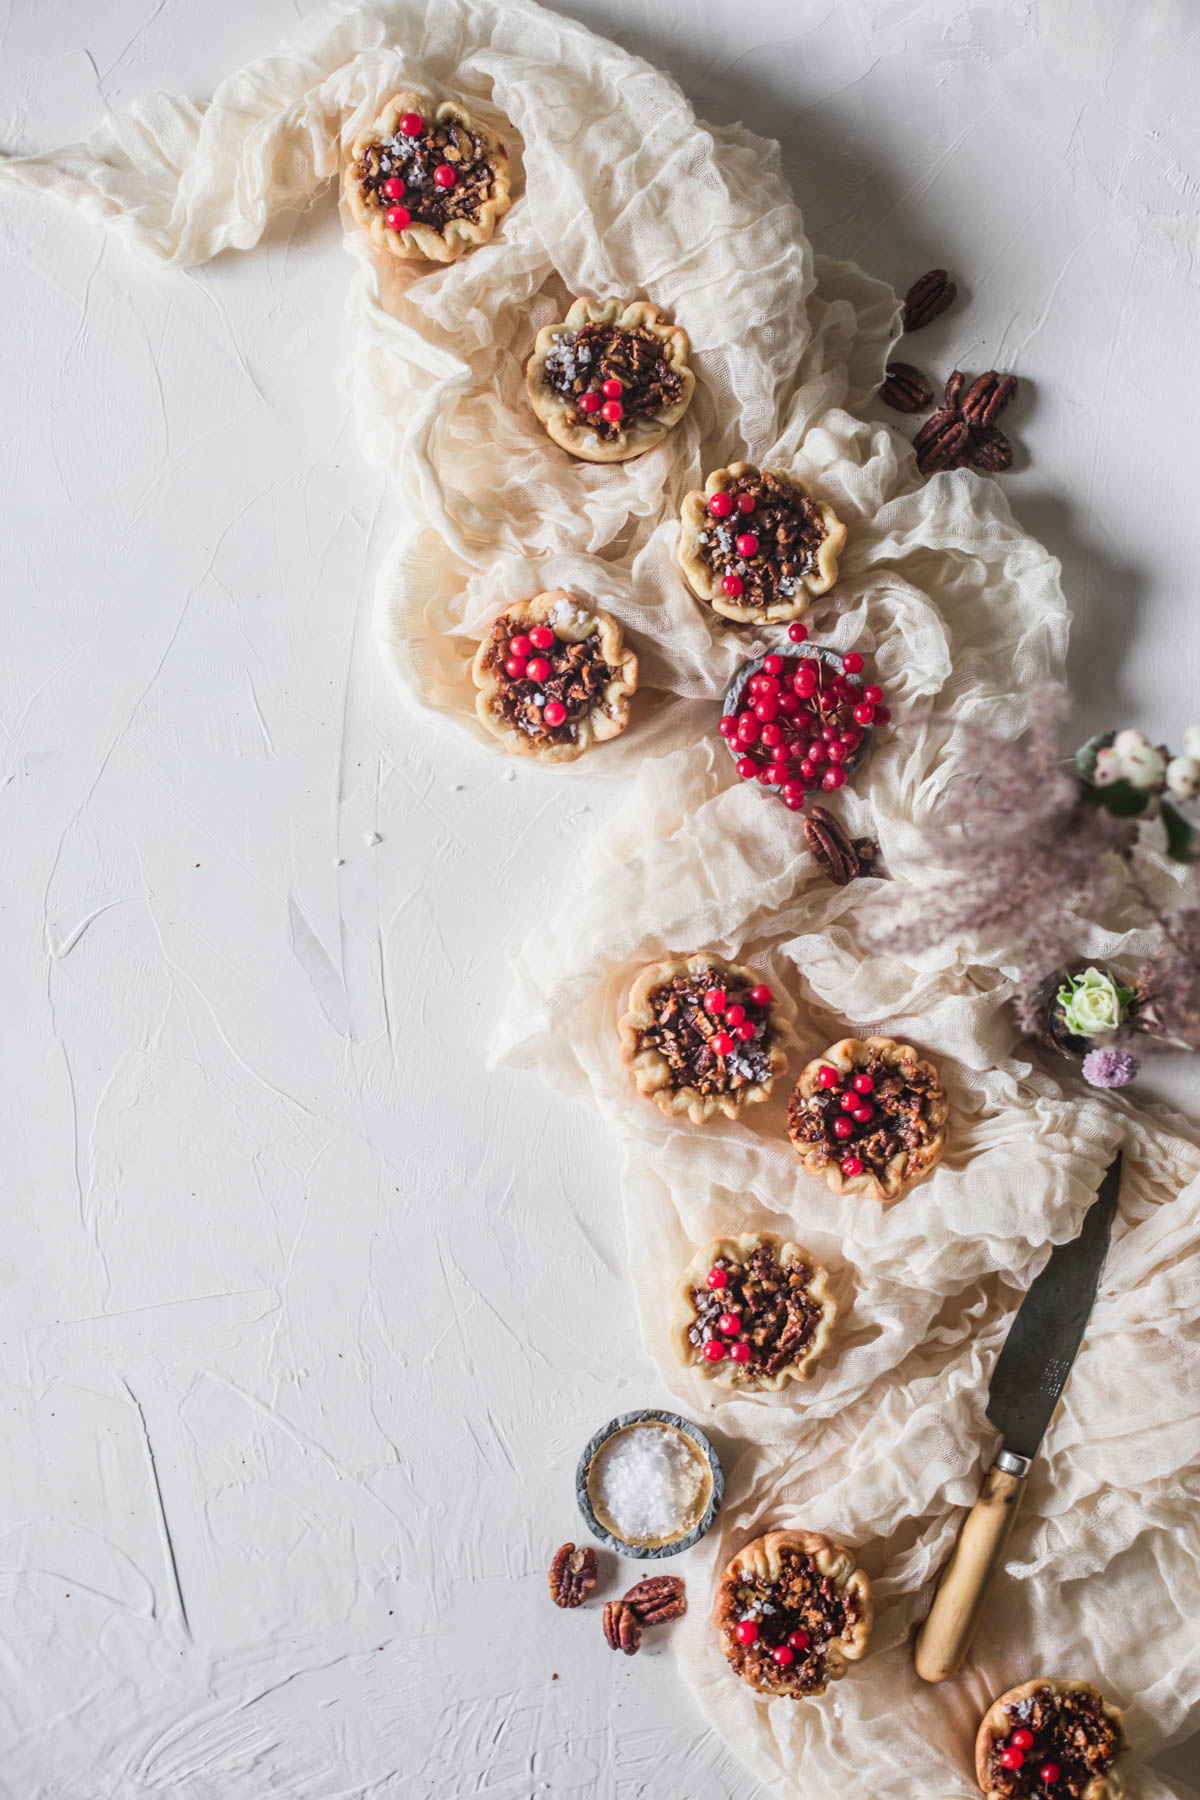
829, 734
836, 752
766, 709
873, 696
747, 768
852, 662
715, 1000
1049, 1773
444, 175
721, 1043
589, 402
720, 506
783, 1656
799, 1640
612, 389
818, 753
412, 124
740, 1351
808, 771
728, 727
734, 1014
1011, 1759
883, 715
714, 1350
542, 638
842, 1128
515, 666
789, 704
730, 1324
864, 714
393, 189
554, 712
827, 700
772, 734
612, 410
761, 995
747, 544
793, 790
864, 1113
768, 684
521, 645
852, 739
717, 1278
797, 632
745, 503
397, 218
848, 1102
537, 668
851, 1165
769, 776
748, 729
772, 665
805, 685
744, 1031
863, 1084
827, 1077
731, 585
1023, 1740
833, 779
746, 1631
780, 752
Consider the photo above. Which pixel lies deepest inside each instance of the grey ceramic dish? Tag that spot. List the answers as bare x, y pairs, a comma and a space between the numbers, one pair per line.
733, 693
688, 1430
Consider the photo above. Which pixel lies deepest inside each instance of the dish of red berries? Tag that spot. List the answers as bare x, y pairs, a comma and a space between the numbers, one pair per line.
800, 721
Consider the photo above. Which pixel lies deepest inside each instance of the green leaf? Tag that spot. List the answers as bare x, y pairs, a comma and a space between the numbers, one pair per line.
1181, 836
1085, 756
1122, 798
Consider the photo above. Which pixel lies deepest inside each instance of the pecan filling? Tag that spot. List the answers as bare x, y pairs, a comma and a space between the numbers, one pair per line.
582, 361
890, 1117
789, 529
803, 1611
779, 1316
1072, 1738
684, 1030
413, 160
573, 687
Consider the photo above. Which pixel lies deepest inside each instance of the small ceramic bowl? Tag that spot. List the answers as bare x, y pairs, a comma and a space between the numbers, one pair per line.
592, 1508
816, 652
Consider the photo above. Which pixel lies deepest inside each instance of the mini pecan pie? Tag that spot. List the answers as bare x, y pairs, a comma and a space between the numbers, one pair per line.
792, 1610
869, 1117
554, 677
611, 380
752, 1312
702, 1036
756, 545
427, 182
1051, 1740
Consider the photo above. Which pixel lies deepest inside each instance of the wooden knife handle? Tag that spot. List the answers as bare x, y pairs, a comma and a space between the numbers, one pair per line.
945, 1637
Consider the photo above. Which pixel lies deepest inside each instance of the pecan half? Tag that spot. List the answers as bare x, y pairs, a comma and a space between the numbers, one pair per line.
905, 389
954, 387
622, 1627
941, 442
842, 857
987, 397
572, 1575
988, 449
657, 1599
927, 299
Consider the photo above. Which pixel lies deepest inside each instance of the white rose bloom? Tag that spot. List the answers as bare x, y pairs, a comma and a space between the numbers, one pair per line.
1129, 742
1183, 777
1191, 741
1144, 766
1107, 769
1091, 1005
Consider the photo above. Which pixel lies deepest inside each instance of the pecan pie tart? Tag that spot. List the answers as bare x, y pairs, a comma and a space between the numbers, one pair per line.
792, 1610
1051, 1740
427, 181
554, 677
869, 1117
756, 545
611, 380
702, 1036
752, 1312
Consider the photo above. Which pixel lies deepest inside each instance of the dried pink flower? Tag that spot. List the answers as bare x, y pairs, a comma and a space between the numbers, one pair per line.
1109, 1067
1168, 993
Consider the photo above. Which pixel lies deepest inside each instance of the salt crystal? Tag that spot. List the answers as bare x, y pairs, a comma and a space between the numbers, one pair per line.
650, 1483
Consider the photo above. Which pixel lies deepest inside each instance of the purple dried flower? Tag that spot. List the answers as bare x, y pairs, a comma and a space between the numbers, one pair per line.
1109, 1067
1169, 986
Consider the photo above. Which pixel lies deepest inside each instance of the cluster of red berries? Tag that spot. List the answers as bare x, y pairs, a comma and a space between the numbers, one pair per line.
800, 721
609, 406
856, 1105
729, 1323
721, 505
398, 218
746, 1632
1014, 1753
522, 664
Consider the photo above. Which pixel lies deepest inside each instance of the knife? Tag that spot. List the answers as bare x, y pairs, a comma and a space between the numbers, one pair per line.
1030, 1374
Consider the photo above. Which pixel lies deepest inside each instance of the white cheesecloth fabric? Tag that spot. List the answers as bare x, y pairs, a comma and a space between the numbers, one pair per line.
621, 191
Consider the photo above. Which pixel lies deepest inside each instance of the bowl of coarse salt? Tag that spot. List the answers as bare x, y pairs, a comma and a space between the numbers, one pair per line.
649, 1484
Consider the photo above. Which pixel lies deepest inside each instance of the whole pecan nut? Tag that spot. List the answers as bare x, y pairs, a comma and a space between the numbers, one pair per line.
905, 389
987, 397
622, 1627
927, 299
941, 442
657, 1599
842, 857
988, 449
572, 1575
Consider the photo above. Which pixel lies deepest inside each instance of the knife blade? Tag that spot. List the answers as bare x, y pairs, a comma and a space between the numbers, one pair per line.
1027, 1382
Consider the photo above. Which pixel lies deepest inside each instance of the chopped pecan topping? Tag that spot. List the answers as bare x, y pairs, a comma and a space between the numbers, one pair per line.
899, 1104
1070, 1730
578, 680
802, 1601
622, 1627
582, 361
789, 529
941, 442
413, 161
987, 397
778, 1313
989, 450
905, 389
842, 857
572, 1575
927, 299
657, 1599
683, 1033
